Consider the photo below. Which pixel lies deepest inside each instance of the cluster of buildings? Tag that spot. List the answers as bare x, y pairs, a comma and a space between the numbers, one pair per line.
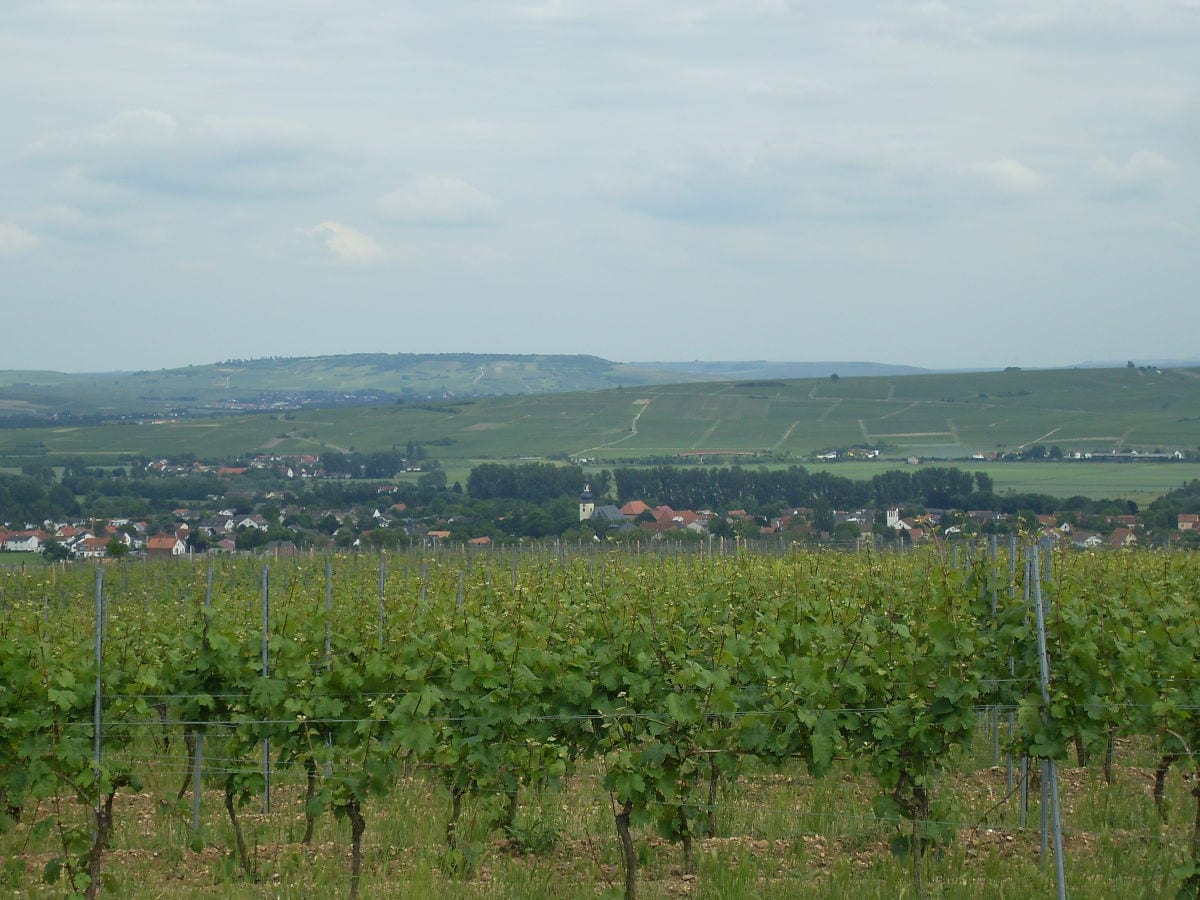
1121, 531
225, 530
96, 540
636, 514
306, 466
1116, 531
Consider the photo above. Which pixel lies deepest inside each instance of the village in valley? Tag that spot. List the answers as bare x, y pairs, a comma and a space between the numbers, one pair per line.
254, 509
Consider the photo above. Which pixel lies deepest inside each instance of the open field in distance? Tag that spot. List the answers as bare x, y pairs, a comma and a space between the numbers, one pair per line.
932, 417
1141, 482
369, 377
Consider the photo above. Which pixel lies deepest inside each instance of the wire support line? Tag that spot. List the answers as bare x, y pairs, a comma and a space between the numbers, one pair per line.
250, 720
357, 694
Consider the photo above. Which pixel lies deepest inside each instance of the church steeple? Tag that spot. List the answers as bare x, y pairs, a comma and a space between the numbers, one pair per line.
587, 506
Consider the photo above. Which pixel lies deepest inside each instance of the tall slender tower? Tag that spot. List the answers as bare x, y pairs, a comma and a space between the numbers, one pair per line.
587, 505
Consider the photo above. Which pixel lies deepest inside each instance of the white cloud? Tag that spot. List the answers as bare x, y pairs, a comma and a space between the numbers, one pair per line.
1083, 26
152, 151
707, 192
441, 201
771, 184
790, 88
1144, 171
1008, 175
549, 10
348, 244
667, 11
128, 130
1128, 20
728, 81
15, 240
72, 223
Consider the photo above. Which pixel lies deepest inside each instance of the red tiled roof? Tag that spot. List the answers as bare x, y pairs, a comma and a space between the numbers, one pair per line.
663, 514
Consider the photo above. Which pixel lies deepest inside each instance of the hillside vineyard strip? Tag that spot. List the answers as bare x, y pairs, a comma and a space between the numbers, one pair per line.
928, 416
688, 705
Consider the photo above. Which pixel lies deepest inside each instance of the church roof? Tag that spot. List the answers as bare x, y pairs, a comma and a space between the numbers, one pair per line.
607, 513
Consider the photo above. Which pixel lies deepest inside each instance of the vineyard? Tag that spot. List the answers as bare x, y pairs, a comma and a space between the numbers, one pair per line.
987, 721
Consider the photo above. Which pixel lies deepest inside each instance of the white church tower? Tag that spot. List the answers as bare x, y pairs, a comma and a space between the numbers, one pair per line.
587, 505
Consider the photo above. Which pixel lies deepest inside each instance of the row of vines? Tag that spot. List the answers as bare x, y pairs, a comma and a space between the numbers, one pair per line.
669, 675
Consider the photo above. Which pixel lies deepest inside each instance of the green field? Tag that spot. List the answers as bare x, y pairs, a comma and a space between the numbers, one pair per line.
929, 416
19, 560
385, 376
325, 380
1141, 482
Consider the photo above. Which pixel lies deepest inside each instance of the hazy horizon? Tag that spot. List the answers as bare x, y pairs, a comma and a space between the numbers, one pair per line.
674, 363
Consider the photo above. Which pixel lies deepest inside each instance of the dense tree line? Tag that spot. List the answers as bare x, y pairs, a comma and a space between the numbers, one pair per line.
379, 464
344, 494
937, 486
156, 491
735, 487
30, 500
763, 490
753, 489
1164, 511
534, 482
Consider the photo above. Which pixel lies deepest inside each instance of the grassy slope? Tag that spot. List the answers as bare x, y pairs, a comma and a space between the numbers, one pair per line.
197, 387
1141, 483
402, 374
924, 415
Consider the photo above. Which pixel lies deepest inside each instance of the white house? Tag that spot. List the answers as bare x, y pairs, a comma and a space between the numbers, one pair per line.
24, 542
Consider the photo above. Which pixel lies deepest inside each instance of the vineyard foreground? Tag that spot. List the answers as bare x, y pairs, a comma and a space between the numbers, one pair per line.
531, 724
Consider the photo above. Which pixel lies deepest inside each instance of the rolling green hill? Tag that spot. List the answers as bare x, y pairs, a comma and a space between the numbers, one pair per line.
942, 416
359, 379
308, 381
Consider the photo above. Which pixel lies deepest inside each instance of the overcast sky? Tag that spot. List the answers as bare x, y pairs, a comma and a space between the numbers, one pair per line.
939, 184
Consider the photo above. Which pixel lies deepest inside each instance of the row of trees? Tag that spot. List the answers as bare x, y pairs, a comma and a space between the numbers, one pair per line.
534, 482
751, 489
1164, 512
376, 464
25, 499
